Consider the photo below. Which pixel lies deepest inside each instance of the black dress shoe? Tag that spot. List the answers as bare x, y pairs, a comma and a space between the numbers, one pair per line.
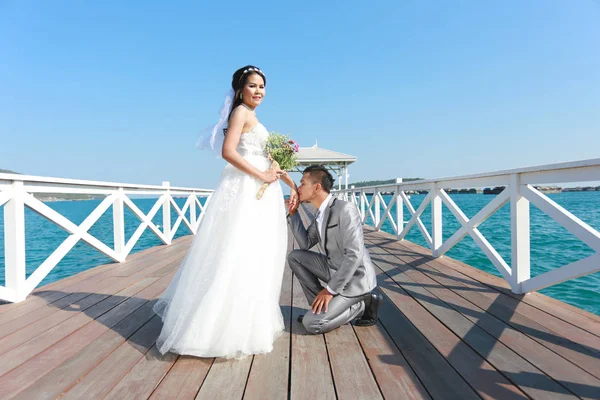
372, 302
300, 318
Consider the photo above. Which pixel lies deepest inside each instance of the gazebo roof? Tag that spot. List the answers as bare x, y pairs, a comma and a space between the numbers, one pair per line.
318, 155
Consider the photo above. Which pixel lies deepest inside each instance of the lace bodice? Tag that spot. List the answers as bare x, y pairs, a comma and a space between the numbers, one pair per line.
253, 142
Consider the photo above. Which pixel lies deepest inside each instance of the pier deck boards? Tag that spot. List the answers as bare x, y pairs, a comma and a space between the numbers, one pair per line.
446, 331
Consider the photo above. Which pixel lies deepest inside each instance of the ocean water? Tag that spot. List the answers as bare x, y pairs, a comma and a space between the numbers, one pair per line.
552, 246
42, 237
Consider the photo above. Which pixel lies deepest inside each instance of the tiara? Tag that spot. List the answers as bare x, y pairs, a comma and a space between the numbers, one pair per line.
251, 69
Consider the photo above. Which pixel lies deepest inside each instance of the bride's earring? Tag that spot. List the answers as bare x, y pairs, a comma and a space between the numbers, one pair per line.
241, 98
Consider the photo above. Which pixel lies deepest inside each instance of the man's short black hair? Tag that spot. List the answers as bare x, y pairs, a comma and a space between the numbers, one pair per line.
319, 174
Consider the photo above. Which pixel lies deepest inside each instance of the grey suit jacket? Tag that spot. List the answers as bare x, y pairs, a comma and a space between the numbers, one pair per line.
352, 272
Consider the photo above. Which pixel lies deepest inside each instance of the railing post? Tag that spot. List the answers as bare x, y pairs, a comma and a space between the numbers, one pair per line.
362, 204
167, 212
377, 208
399, 208
520, 241
436, 221
193, 210
14, 242
119, 225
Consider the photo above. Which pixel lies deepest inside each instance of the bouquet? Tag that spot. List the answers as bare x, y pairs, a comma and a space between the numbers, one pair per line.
282, 152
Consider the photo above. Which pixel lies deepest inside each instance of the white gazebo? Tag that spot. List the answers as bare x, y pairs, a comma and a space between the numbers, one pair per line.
332, 160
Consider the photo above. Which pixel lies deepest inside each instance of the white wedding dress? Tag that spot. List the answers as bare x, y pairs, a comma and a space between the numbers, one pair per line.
224, 299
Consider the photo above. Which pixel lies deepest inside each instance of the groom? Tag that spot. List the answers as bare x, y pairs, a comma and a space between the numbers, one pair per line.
345, 267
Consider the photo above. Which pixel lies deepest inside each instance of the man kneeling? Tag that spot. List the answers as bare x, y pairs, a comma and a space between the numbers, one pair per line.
346, 266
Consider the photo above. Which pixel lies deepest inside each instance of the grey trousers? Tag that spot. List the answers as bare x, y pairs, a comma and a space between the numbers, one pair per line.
310, 267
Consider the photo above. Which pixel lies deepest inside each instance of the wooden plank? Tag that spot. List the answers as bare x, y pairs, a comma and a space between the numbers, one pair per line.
67, 303
22, 353
115, 285
41, 299
438, 377
109, 286
226, 379
88, 283
394, 376
351, 373
310, 371
59, 380
571, 315
441, 302
480, 375
104, 377
51, 292
15, 337
492, 302
18, 379
144, 377
472, 276
183, 380
269, 376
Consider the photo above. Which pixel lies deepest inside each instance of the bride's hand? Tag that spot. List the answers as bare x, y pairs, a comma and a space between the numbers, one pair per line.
293, 202
270, 175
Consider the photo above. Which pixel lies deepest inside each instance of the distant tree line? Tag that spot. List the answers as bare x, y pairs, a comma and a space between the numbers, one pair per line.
58, 196
384, 182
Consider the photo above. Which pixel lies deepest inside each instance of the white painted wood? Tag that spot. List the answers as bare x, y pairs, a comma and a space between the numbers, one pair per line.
436, 221
468, 226
574, 270
579, 174
386, 213
415, 218
520, 192
491, 253
363, 198
146, 222
370, 208
587, 170
181, 213
77, 233
8, 294
167, 213
520, 241
377, 198
17, 194
119, 224
193, 217
345, 176
14, 243
570, 222
399, 210
5, 196
114, 185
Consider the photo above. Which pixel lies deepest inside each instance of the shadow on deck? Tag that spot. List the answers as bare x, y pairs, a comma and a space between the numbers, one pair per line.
446, 331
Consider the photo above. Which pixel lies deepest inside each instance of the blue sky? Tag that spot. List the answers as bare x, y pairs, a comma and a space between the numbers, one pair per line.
119, 91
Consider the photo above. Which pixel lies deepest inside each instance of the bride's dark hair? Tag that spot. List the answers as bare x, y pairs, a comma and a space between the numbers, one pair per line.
240, 77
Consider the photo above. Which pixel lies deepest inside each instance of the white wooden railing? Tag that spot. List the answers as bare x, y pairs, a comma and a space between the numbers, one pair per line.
518, 191
17, 192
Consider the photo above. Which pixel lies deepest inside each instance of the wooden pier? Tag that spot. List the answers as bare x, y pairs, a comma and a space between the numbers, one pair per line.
446, 331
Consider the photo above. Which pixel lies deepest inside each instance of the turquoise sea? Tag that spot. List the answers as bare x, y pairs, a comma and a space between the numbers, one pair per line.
551, 245
42, 237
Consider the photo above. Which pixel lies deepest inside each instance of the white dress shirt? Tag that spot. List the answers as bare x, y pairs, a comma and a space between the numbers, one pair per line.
320, 215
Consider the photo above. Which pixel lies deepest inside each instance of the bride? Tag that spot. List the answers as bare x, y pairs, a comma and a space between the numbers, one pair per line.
224, 299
